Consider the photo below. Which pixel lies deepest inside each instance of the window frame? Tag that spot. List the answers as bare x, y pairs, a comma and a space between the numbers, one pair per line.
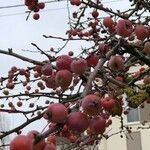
134, 122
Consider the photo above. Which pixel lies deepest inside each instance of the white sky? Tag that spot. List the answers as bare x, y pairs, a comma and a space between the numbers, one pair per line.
17, 33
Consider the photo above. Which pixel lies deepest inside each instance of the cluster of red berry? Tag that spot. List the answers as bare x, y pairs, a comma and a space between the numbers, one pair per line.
35, 6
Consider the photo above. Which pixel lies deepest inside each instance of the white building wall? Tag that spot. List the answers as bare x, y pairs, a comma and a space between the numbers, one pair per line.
115, 142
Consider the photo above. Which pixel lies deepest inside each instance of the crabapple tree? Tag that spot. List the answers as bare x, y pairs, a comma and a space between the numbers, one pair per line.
81, 93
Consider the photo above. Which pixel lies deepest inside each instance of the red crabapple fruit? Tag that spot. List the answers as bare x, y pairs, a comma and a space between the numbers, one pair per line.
50, 146
95, 14
36, 16
21, 142
38, 68
91, 104
92, 60
111, 29
97, 125
79, 66
46, 69
51, 139
116, 63
63, 78
56, 113
103, 48
50, 81
147, 47
41, 5
40, 145
141, 32
124, 28
77, 122
108, 103
146, 79
75, 2
108, 22
63, 62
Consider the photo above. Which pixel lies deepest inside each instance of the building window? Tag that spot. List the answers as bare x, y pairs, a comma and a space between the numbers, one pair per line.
139, 114
133, 141
133, 115
145, 113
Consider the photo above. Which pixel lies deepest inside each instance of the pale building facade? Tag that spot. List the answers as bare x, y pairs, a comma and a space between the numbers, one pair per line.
138, 139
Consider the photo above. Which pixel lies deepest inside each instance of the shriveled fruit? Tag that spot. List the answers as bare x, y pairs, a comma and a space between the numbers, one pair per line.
19, 103
6, 92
